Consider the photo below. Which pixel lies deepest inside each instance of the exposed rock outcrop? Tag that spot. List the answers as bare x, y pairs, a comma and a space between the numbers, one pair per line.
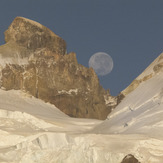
34, 59
130, 159
33, 36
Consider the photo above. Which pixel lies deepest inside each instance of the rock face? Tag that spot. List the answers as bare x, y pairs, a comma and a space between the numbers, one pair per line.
34, 36
130, 159
34, 59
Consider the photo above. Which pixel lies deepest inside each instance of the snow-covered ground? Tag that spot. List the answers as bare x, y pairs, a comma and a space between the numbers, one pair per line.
34, 131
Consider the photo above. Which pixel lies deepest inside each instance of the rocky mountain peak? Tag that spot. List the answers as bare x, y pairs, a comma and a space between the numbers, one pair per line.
33, 36
34, 60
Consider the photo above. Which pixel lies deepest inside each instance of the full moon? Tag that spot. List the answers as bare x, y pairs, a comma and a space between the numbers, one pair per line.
102, 63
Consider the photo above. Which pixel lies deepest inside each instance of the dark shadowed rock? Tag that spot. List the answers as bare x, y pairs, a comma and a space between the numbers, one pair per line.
130, 159
34, 59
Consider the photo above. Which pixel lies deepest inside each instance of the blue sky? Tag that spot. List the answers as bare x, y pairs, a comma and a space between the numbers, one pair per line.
130, 31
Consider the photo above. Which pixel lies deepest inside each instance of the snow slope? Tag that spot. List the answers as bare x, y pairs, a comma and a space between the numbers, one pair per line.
34, 131
141, 113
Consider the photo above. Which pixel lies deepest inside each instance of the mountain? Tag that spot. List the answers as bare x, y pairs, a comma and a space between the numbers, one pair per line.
139, 116
141, 109
34, 59
35, 130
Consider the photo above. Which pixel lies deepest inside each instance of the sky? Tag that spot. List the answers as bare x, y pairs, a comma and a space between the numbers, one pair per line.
130, 31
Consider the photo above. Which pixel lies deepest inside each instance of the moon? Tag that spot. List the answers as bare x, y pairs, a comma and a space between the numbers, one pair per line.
102, 63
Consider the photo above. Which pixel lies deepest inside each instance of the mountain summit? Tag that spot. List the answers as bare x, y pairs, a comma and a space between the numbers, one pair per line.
34, 60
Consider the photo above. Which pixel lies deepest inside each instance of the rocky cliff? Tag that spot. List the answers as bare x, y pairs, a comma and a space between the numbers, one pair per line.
34, 60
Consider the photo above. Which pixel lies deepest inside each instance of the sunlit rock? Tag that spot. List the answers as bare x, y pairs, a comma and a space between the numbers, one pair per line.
34, 59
